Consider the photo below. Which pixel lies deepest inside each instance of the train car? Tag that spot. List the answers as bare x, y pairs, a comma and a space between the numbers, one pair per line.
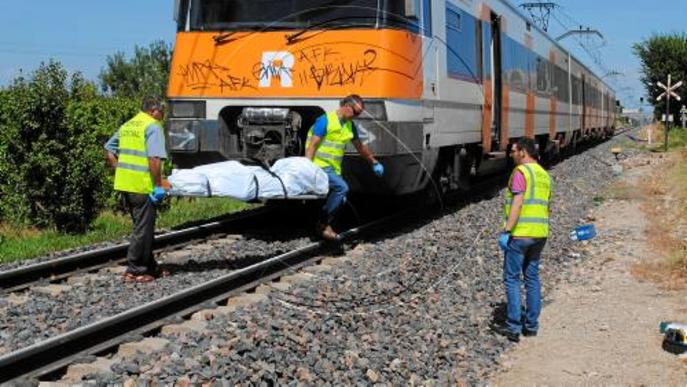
448, 84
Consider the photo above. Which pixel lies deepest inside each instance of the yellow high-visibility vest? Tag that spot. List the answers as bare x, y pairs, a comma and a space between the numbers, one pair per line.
331, 150
533, 221
133, 172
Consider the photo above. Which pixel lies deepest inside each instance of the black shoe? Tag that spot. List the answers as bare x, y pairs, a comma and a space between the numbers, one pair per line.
503, 331
527, 333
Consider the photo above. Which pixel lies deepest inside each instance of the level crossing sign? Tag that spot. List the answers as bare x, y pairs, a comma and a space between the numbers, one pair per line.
669, 92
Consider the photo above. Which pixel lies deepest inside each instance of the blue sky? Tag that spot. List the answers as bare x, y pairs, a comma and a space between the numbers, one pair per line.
81, 33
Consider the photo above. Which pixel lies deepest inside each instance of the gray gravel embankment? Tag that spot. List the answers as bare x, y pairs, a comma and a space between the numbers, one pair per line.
412, 308
36, 315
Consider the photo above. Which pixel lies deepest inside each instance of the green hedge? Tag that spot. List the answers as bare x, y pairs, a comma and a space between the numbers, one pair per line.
52, 130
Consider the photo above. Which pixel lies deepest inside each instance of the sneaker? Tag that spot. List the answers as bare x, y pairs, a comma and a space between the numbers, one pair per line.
503, 331
143, 278
528, 333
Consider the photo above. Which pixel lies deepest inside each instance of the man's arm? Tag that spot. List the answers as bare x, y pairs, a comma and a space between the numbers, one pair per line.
364, 151
515, 208
155, 165
155, 148
314, 143
112, 150
319, 130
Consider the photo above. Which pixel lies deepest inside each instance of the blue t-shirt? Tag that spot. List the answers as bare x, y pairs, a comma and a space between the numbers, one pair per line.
155, 142
320, 128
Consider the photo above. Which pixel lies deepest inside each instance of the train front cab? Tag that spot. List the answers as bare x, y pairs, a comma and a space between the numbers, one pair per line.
253, 92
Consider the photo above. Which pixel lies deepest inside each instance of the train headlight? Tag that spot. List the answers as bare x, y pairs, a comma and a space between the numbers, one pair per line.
374, 110
187, 109
182, 136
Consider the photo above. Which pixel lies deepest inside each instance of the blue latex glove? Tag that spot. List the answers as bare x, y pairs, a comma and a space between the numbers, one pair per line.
504, 238
378, 169
157, 196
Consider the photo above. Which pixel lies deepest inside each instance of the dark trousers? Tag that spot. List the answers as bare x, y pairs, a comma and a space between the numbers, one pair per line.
143, 213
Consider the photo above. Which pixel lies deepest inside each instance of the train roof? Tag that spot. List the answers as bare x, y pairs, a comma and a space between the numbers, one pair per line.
545, 34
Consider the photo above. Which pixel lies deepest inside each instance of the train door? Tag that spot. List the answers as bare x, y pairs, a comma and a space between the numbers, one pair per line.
584, 104
429, 48
497, 85
430, 54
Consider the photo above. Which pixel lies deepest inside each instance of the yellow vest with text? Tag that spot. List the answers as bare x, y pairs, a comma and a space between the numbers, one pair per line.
331, 150
133, 172
533, 221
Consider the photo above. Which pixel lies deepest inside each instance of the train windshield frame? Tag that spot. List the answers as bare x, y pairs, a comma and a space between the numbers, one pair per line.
231, 15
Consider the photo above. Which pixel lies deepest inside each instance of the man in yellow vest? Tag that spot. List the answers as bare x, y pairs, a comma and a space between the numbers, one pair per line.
136, 151
326, 145
524, 235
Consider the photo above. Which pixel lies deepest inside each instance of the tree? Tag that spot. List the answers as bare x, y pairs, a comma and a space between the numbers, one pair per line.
144, 74
661, 55
53, 127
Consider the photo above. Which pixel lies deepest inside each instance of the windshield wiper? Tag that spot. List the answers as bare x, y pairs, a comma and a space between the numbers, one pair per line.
223, 37
290, 38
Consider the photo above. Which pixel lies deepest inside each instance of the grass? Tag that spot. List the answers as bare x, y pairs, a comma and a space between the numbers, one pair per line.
665, 207
25, 243
677, 138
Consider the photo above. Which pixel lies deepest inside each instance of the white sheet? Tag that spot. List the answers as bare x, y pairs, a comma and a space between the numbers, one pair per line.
289, 177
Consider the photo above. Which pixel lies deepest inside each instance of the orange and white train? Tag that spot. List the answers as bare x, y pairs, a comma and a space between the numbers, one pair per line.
448, 84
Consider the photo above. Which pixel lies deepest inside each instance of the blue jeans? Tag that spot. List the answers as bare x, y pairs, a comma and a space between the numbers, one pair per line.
522, 257
337, 196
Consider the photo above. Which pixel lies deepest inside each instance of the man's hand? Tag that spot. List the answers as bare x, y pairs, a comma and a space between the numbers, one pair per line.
157, 196
378, 169
111, 159
504, 239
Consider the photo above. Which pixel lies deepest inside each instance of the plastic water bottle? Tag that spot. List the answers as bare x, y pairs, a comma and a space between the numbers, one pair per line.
583, 233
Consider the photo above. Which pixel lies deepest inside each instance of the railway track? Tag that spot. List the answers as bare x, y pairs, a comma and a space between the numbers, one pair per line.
55, 353
63, 267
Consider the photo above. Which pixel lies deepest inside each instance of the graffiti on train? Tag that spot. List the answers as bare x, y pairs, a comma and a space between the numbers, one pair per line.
377, 67
201, 75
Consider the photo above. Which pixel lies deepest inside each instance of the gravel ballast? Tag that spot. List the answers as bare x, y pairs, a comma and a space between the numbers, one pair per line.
412, 308
45, 311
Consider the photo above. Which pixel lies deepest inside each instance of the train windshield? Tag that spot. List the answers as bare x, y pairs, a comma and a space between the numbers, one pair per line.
227, 15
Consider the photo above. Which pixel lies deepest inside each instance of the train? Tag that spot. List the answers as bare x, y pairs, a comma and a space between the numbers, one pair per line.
449, 86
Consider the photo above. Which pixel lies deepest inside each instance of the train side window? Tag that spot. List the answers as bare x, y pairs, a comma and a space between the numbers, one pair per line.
453, 20
463, 53
427, 17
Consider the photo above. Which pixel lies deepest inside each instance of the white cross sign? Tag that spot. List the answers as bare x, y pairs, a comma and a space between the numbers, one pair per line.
669, 89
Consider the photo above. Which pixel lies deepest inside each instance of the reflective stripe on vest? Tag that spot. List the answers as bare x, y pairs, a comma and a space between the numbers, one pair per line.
533, 221
331, 149
133, 171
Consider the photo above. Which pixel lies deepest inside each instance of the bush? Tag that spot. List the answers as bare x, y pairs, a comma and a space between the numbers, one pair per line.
52, 130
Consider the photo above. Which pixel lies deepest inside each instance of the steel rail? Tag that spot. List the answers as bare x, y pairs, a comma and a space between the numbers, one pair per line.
55, 353
54, 269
